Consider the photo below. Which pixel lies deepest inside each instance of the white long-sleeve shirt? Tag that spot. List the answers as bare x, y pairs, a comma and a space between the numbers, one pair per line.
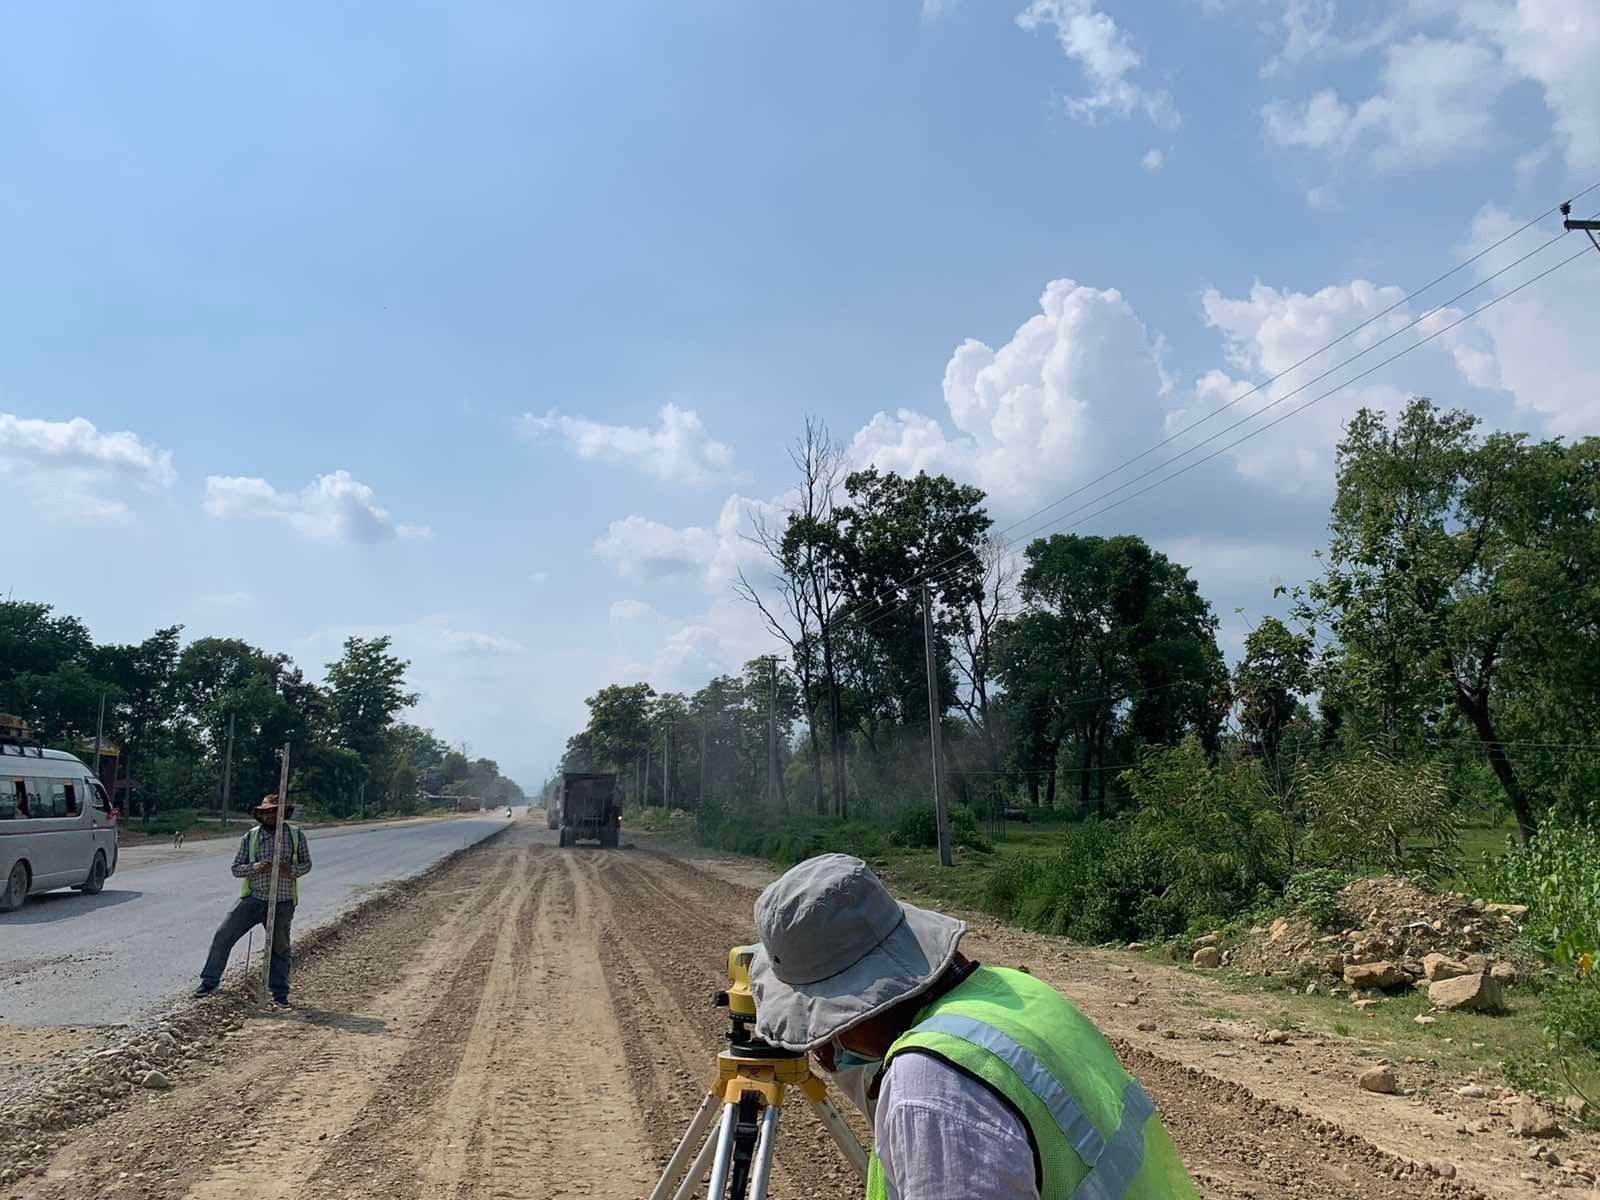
942, 1135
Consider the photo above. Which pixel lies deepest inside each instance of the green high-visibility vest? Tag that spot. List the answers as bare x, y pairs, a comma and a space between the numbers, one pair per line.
296, 840
1095, 1131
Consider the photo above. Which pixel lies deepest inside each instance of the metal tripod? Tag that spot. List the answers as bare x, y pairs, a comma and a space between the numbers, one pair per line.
735, 1131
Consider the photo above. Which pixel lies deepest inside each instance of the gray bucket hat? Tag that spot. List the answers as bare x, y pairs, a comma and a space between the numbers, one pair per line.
837, 948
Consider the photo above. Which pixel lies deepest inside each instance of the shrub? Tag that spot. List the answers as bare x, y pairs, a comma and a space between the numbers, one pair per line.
1314, 894
1215, 835
919, 828
1557, 875
1102, 884
1369, 813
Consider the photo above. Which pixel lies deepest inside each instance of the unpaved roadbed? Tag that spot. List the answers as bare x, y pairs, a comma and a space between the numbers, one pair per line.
530, 1022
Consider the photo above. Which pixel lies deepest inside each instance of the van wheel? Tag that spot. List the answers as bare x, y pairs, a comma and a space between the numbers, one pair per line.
16, 889
97, 876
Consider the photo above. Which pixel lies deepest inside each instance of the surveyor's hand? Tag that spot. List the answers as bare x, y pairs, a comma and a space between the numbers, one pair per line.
262, 867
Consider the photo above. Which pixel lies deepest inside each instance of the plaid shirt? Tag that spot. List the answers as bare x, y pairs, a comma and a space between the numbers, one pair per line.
243, 864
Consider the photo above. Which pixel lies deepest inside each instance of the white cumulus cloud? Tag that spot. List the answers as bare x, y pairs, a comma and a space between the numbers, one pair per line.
1539, 343
1555, 44
681, 654
1272, 332
644, 550
1152, 160
74, 472
331, 508
1444, 78
1436, 101
677, 450
1073, 384
1107, 57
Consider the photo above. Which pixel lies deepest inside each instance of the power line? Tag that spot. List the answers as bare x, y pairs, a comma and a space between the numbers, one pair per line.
1300, 408
933, 570
1268, 382
1055, 522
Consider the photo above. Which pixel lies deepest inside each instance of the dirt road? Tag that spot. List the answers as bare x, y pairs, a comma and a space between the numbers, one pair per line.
531, 1022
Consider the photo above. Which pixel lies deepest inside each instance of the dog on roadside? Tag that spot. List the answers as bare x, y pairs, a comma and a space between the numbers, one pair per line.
177, 840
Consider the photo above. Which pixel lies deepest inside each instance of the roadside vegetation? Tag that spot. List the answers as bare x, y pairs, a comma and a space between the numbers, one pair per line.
1422, 709
169, 707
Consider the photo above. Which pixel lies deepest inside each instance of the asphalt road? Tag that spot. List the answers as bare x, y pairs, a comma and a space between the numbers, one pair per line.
70, 959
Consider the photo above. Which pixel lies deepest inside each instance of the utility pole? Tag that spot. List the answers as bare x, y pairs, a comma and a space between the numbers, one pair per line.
99, 737
1588, 227
227, 772
272, 882
772, 731
705, 719
666, 766
941, 816
646, 801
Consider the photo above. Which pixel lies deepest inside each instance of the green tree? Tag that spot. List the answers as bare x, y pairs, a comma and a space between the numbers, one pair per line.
620, 724
1463, 587
1115, 648
897, 535
1268, 684
34, 642
326, 778
270, 700
366, 691
62, 706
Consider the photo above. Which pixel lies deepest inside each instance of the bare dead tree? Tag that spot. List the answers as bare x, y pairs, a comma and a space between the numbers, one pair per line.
803, 600
973, 659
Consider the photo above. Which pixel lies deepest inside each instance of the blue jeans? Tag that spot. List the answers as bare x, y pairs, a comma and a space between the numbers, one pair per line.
246, 915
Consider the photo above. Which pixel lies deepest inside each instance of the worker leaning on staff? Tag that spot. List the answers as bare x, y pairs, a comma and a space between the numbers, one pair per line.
253, 865
980, 1082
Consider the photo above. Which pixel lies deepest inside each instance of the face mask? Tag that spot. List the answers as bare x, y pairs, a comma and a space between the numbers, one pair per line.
854, 1074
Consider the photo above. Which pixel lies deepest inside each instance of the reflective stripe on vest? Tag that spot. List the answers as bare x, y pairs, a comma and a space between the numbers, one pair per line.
254, 849
1118, 1153
1110, 1172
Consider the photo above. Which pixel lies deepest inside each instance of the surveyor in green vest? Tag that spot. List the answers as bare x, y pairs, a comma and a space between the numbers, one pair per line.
253, 865
982, 1083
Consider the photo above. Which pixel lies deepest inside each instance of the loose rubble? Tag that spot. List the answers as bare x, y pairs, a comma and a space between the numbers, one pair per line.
1393, 935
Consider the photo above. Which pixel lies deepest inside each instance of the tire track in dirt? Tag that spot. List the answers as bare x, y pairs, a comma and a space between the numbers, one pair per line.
410, 1118
536, 1023
330, 1081
266, 1069
1236, 1144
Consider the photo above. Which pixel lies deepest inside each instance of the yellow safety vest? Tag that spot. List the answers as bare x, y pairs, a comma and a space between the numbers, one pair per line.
1095, 1131
296, 839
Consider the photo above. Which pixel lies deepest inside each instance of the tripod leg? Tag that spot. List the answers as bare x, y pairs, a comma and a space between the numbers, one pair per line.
762, 1170
697, 1170
835, 1124
724, 1159
692, 1137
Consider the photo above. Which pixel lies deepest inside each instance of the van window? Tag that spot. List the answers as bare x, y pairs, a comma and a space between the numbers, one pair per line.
97, 796
24, 799
11, 791
55, 799
72, 800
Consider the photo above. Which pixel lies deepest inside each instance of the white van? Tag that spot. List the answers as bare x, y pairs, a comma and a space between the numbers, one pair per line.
56, 827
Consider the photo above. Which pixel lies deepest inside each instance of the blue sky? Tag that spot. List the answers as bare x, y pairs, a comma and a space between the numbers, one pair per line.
485, 325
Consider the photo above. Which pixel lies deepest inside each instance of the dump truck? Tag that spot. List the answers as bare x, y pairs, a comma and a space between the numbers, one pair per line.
589, 808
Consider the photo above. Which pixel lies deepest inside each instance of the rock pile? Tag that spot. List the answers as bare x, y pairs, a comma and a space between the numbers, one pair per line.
94, 1082
1396, 936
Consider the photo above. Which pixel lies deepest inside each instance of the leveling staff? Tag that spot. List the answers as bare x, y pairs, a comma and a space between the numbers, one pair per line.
982, 1083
